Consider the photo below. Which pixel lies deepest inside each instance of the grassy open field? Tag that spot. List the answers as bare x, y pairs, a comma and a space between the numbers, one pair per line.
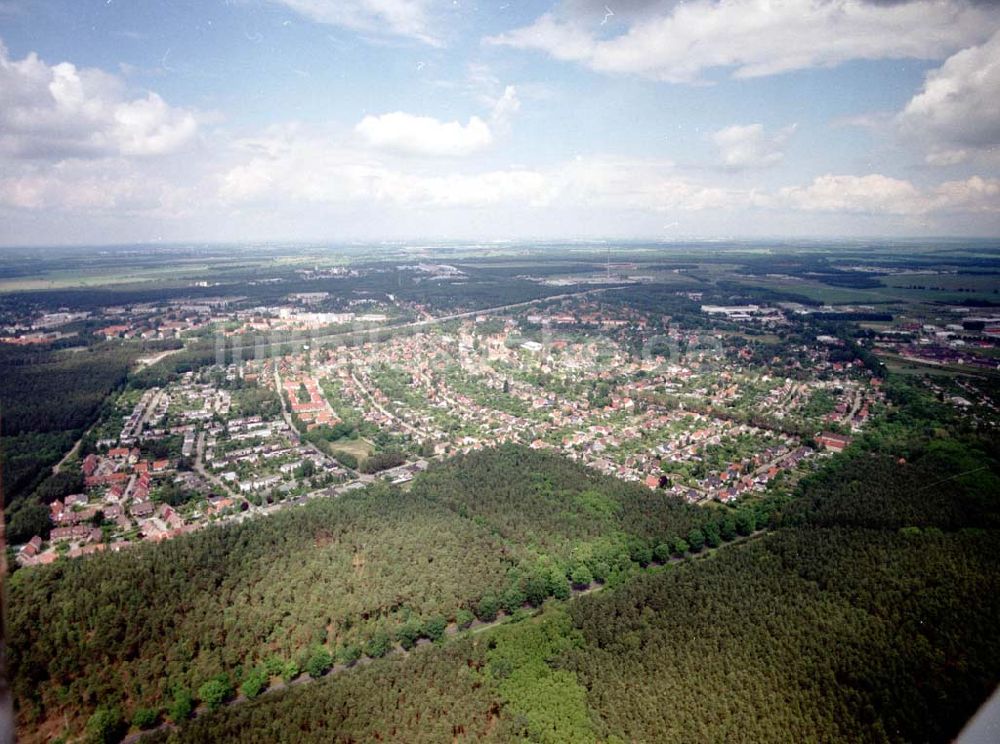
815, 290
987, 283
899, 365
763, 338
898, 291
100, 278
360, 448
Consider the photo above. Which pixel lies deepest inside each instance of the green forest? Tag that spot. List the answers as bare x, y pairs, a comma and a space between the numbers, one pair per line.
48, 399
859, 607
802, 636
484, 534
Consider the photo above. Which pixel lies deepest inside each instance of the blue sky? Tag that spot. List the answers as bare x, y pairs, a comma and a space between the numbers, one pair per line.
135, 120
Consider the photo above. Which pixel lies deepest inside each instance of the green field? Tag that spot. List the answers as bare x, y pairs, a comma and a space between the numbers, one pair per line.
898, 364
360, 448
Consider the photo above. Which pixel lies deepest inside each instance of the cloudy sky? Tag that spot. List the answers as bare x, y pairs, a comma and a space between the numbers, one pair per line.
206, 120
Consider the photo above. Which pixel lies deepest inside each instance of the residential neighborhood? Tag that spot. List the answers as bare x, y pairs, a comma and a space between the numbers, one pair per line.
688, 409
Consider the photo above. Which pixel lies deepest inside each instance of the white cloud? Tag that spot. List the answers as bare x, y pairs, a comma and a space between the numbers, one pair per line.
623, 184
873, 120
407, 18
873, 193
294, 165
57, 111
759, 37
975, 194
749, 146
148, 126
879, 194
92, 186
424, 135
505, 108
294, 178
522, 186
290, 165
958, 109
944, 157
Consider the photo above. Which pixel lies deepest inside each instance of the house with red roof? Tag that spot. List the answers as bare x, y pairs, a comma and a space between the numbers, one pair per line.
833, 442
33, 547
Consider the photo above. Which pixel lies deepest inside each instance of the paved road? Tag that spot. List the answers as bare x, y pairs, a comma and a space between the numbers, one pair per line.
293, 432
767, 465
503, 308
200, 467
151, 360
68, 455
150, 410
848, 420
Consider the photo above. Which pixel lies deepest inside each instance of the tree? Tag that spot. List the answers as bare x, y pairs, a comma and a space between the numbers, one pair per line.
408, 633
640, 552
181, 706
487, 607
661, 553
746, 521
536, 589
319, 662
145, 718
581, 576
561, 589
727, 528
254, 683
106, 726
712, 537
290, 670
383, 461
464, 618
29, 520
306, 470
273, 666
349, 654
173, 494
59, 485
214, 692
378, 645
680, 547
601, 570
435, 627
346, 459
513, 598
696, 540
